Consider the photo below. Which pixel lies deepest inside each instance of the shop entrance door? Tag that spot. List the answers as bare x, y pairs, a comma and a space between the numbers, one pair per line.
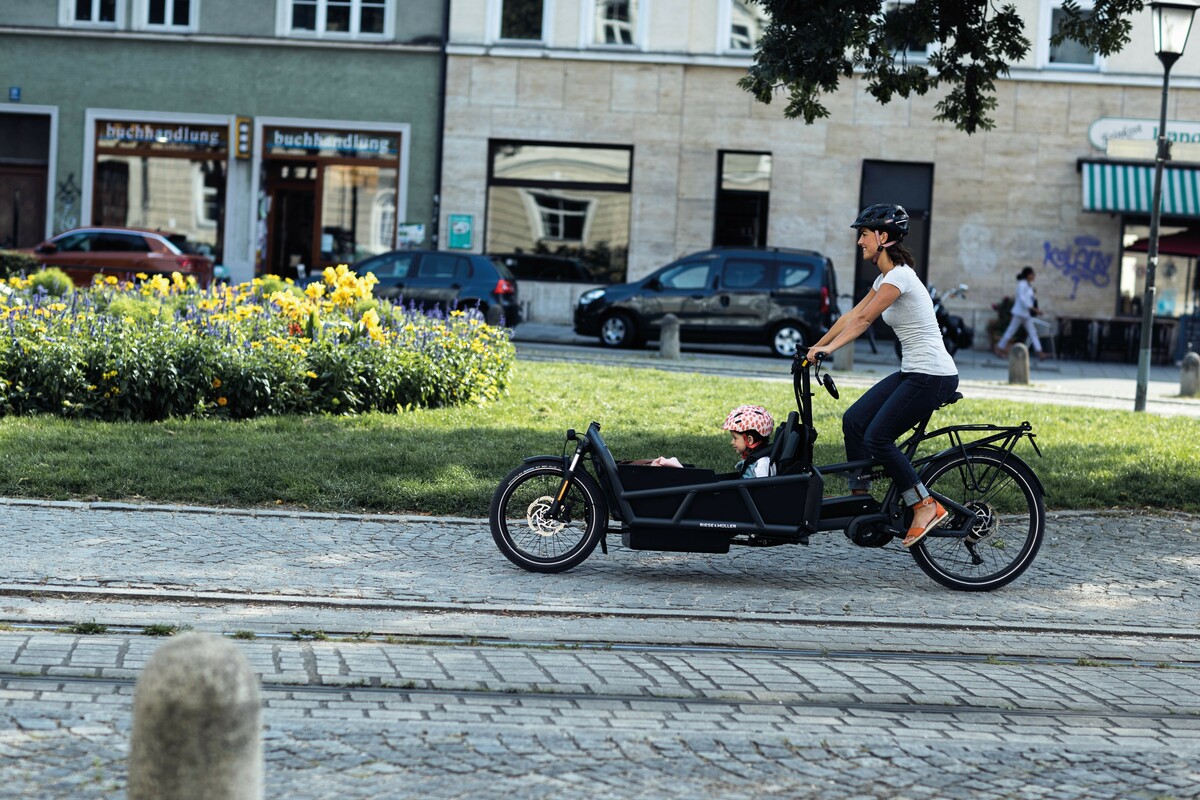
293, 192
22, 206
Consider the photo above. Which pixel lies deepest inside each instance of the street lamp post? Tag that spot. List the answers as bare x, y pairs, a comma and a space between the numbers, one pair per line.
1172, 22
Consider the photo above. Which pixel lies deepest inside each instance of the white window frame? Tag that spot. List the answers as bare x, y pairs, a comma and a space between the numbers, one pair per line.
200, 196
1046, 21
141, 18
542, 214
495, 14
66, 16
725, 32
283, 22
912, 57
587, 27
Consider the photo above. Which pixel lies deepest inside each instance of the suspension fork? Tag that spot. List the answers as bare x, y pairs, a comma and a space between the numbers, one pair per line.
580, 449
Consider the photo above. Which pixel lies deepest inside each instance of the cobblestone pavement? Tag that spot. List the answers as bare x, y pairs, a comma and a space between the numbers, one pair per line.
1127, 571
404, 720
828, 671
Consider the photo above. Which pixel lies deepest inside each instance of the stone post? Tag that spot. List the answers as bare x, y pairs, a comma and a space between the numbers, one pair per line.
1018, 364
196, 724
1189, 376
845, 356
668, 337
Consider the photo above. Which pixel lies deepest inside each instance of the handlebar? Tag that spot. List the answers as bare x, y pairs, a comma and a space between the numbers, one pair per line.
801, 362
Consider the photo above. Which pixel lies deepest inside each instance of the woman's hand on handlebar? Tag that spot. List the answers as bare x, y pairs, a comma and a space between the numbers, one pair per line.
817, 352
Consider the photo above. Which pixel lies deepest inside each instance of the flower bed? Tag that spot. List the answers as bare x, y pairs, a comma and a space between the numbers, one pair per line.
159, 347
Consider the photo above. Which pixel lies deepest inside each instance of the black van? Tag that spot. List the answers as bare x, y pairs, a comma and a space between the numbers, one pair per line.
775, 296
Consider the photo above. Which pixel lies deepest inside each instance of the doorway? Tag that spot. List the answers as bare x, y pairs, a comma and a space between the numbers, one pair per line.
906, 183
292, 187
24, 178
22, 206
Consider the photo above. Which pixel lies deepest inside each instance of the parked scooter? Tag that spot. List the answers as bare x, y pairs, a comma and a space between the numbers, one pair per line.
956, 334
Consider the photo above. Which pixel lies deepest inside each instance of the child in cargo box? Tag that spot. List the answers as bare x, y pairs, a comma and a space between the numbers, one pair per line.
750, 436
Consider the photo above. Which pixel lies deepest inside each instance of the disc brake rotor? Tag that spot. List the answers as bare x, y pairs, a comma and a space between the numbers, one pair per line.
539, 523
986, 521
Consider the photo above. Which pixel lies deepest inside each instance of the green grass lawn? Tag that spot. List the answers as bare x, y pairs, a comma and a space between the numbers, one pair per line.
448, 461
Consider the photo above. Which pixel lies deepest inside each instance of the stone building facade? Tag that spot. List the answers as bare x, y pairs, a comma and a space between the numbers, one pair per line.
663, 89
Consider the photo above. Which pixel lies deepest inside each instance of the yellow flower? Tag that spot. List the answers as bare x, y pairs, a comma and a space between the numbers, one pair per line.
311, 374
222, 401
111, 280
216, 383
141, 276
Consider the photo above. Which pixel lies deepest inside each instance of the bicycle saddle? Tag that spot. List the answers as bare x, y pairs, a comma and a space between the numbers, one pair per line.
952, 399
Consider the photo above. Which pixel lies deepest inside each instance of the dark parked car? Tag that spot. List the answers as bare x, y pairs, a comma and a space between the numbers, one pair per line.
443, 279
84, 253
777, 297
539, 267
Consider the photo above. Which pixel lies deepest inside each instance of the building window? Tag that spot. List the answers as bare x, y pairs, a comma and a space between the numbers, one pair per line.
165, 15
521, 20
1070, 54
747, 20
165, 176
743, 199
562, 218
615, 22
904, 37
99, 13
561, 199
367, 19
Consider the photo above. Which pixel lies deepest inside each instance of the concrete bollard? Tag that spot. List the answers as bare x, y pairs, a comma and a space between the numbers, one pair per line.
1018, 364
1189, 376
196, 724
668, 337
845, 357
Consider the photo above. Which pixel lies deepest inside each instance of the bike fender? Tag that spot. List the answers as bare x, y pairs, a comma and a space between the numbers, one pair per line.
1010, 456
531, 459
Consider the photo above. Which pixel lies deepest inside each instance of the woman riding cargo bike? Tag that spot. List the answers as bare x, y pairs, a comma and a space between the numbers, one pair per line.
967, 507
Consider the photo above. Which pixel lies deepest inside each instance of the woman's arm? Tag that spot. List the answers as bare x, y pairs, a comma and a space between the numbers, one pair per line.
855, 324
840, 324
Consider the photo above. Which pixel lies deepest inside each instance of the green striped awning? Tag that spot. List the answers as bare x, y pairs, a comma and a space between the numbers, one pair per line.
1110, 186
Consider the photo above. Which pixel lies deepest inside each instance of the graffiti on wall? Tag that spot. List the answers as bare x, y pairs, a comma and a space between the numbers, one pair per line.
1080, 261
66, 205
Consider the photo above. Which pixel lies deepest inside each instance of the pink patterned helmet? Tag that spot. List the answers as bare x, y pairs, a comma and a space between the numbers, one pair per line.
750, 418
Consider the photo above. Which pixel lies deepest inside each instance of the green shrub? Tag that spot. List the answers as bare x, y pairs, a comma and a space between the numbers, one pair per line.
14, 263
159, 349
52, 280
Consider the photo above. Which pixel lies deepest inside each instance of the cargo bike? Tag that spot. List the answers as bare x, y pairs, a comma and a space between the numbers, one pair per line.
550, 513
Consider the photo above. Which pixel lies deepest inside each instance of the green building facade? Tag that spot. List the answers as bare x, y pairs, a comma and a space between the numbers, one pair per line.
281, 136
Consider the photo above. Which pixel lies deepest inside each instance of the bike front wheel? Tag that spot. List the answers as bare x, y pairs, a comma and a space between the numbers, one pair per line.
1010, 521
526, 533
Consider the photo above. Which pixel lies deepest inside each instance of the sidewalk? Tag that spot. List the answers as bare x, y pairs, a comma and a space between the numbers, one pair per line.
1071, 383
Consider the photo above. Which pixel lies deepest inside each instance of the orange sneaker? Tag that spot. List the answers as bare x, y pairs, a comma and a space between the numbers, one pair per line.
915, 533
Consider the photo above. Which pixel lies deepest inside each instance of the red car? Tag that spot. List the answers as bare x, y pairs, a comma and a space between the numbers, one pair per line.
84, 253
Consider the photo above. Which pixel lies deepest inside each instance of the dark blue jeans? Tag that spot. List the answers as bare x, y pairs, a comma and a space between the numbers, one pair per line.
888, 409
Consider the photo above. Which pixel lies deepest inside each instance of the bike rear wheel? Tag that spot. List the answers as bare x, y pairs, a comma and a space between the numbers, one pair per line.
524, 532
1010, 521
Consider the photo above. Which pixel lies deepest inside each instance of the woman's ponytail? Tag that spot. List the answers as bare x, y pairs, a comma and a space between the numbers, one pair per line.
901, 256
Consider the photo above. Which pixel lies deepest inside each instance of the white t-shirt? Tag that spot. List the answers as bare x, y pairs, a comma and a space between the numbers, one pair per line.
913, 320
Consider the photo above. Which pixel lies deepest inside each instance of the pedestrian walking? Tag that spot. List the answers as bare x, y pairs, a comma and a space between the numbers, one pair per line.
1024, 309
928, 375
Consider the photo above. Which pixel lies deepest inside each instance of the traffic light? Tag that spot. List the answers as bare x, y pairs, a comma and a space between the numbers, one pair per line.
243, 137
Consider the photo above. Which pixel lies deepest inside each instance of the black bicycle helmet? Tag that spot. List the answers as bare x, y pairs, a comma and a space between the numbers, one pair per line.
887, 217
